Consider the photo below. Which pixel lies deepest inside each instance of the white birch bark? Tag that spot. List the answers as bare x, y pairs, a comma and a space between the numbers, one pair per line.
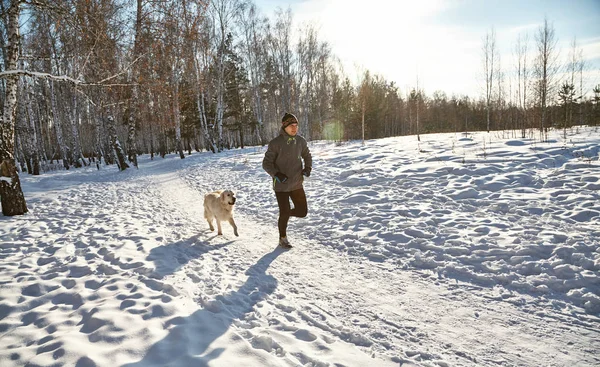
78, 159
11, 194
33, 145
546, 69
176, 114
200, 97
489, 57
56, 122
116, 144
253, 54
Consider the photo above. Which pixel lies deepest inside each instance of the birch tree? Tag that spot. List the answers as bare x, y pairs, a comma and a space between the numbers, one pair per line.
252, 28
307, 51
11, 193
201, 61
576, 65
545, 71
489, 60
501, 94
116, 144
223, 12
281, 48
174, 43
135, 110
522, 80
32, 135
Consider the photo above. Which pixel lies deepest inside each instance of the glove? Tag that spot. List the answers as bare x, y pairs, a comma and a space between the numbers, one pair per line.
280, 177
306, 171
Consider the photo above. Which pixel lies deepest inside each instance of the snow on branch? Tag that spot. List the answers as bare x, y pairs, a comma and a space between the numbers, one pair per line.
63, 78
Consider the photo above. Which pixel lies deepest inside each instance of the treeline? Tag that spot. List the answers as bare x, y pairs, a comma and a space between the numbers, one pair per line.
102, 81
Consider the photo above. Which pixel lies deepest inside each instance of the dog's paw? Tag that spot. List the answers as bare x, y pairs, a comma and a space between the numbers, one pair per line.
236, 234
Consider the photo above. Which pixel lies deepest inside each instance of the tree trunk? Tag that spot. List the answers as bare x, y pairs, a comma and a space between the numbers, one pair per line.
150, 126
201, 108
99, 153
34, 146
78, 159
11, 194
58, 127
363, 121
116, 145
177, 115
135, 105
220, 92
22, 133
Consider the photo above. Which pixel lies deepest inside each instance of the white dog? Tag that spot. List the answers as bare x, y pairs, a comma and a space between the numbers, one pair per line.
219, 205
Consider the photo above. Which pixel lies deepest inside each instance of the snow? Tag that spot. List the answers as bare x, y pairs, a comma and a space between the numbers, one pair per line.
478, 250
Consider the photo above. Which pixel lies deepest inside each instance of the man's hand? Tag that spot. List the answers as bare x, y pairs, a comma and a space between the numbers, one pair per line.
280, 177
306, 171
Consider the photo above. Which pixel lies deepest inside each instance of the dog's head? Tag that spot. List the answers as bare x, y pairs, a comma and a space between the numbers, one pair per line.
228, 197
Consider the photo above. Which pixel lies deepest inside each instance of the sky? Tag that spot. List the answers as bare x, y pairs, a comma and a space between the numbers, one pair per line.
458, 250
441, 41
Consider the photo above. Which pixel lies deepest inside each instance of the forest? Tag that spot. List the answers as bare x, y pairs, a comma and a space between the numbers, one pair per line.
99, 82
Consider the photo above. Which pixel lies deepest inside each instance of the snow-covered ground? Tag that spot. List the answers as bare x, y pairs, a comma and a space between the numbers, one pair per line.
478, 250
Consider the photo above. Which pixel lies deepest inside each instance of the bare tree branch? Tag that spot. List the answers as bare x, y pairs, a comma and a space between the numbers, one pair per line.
63, 78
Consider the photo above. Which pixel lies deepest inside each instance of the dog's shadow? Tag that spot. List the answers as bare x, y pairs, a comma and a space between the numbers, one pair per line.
171, 257
189, 338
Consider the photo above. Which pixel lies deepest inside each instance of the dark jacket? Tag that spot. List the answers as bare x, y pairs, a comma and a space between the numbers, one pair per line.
285, 154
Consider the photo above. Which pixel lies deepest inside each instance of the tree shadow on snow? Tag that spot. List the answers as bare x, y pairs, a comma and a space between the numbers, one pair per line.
170, 258
190, 337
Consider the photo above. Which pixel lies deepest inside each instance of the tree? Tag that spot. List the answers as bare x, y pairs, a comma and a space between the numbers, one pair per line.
223, 12
135, 110
116, 145
363, 95
416, 105
236, 90
596, 105
11, 194
174, 41
501, 96
522, 80
566, 95
254, 56
545, 71
282, 59
576, 64
418, 97
489, 60
307, 61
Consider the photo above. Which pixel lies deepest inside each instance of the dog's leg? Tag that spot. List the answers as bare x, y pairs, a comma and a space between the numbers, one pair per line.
219, 232
235, 232
209, 219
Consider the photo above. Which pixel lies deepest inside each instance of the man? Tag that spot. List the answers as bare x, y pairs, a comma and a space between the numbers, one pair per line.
283, 162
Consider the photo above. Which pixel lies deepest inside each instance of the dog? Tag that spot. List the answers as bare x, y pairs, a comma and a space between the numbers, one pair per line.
219, 205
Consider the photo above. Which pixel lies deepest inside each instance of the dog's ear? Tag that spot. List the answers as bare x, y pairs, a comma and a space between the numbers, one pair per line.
222, 196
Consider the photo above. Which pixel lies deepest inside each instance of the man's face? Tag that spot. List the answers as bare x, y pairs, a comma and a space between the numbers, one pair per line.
292, 129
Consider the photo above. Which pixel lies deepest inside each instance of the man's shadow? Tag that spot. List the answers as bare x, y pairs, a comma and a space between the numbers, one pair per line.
189, 337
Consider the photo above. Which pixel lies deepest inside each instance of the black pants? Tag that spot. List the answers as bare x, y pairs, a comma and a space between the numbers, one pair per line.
285, 212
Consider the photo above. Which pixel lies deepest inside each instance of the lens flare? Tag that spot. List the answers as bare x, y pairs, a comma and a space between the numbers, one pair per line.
333, 130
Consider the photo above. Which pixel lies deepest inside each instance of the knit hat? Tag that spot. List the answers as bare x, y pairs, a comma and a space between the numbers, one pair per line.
288, 119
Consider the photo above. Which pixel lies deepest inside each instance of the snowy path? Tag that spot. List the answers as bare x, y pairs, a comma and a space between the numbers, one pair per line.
386, 311
114, 269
